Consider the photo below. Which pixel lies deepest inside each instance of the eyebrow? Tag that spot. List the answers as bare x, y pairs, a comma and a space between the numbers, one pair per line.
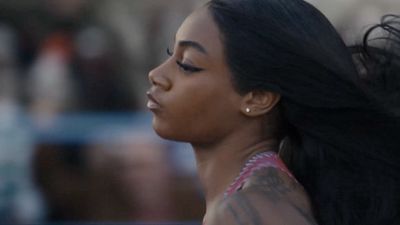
193, 44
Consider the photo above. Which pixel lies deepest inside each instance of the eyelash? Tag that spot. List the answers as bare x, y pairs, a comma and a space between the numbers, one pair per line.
184, 67
169, 52
187, 68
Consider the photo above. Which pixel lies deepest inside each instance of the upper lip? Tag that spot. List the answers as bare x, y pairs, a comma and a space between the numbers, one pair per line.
150, 95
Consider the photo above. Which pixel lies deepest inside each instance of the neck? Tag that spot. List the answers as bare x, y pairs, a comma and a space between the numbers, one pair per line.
220, 164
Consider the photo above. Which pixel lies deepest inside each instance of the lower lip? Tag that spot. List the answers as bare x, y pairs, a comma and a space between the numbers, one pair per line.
152, 105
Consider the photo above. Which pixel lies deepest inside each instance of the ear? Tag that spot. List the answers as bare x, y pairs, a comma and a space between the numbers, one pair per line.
257, 103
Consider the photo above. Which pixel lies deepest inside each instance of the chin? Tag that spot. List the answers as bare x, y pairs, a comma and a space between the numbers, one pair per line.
169, 134
165, 132
174, 132
171, 137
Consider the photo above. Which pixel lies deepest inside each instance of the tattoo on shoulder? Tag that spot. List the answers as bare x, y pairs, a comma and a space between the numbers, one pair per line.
272, 185
243, 211
309, 218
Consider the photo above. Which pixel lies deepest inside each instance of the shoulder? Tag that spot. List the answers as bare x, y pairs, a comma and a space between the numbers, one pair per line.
270, 197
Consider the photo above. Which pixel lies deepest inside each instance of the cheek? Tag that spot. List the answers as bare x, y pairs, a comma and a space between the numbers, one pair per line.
183, 119
200, 117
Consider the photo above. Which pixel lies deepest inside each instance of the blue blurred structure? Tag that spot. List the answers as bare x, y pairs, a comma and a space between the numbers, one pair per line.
18, 200
84, 127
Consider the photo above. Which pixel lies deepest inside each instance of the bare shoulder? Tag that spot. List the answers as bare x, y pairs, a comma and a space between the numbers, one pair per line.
269, 198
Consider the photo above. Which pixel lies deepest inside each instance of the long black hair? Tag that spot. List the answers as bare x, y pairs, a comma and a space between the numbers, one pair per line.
340, 104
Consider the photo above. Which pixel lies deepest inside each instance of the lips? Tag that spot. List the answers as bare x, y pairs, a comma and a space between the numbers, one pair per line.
152, 103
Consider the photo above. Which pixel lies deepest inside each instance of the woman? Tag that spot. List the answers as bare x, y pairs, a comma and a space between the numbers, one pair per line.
248, 79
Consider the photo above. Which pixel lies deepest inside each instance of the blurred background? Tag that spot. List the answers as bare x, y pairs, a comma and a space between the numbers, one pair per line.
76, 143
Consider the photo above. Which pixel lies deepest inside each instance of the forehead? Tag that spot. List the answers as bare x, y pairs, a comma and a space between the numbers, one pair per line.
201, 28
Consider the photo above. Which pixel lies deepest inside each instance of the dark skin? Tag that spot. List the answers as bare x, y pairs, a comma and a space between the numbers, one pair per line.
193, 99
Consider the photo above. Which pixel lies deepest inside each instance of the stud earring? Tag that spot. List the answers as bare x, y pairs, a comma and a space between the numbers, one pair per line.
248, 110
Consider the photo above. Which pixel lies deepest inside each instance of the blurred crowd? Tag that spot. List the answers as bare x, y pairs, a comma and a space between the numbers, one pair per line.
75, 144
86, 62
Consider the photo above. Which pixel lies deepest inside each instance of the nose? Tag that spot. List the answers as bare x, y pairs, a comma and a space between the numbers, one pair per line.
159, 78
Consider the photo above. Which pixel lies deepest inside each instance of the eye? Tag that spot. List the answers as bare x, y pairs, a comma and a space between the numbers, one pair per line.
188, 68
169, 52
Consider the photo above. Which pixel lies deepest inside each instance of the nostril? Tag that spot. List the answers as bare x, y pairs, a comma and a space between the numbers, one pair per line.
151, 77
160, 80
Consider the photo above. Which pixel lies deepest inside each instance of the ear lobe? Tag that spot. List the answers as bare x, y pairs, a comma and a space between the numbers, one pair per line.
257, 103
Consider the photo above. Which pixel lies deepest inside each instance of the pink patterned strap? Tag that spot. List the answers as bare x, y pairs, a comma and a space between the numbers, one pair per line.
257, 162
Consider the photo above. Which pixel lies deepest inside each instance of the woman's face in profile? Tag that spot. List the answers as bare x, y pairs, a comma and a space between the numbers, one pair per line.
192, 95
